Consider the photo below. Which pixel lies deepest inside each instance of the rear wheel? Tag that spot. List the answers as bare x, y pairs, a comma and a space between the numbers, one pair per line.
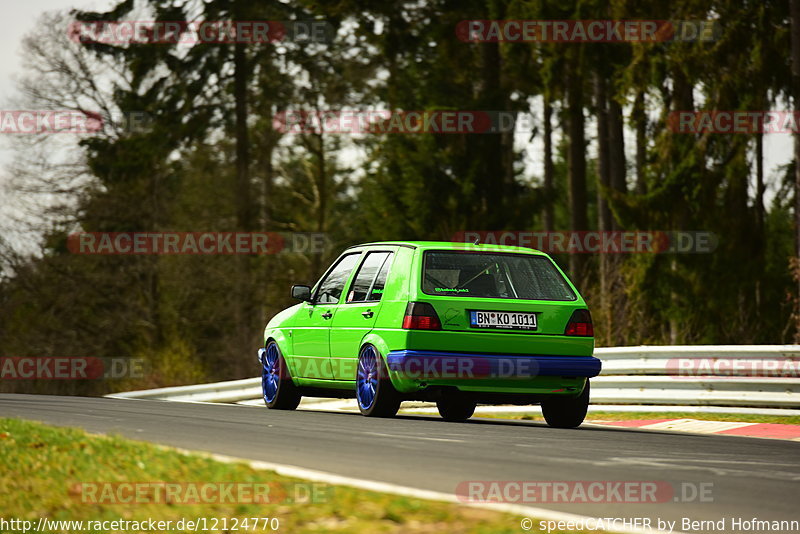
566, 413
279, 391
374, 390
455, 408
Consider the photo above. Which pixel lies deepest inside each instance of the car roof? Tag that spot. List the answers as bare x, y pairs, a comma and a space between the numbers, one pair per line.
451, 245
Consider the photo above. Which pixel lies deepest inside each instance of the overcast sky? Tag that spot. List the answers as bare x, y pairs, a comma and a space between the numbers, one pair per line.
20, 17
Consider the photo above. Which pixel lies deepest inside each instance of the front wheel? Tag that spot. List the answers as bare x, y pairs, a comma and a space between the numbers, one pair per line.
374, 390
455, 408
566, 413
279, 391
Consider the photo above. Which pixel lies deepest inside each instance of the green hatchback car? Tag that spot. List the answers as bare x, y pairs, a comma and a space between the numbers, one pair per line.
453, 323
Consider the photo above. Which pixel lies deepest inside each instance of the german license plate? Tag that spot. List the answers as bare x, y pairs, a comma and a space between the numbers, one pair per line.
503, 320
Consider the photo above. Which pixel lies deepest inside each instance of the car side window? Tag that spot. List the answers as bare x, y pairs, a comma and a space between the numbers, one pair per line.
380, 281
363, 285
331, 287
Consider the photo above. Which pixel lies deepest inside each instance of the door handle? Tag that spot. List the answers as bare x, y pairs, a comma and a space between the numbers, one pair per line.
327, 315
367, 314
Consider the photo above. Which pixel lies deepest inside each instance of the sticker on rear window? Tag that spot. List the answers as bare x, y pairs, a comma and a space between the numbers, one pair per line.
451, 289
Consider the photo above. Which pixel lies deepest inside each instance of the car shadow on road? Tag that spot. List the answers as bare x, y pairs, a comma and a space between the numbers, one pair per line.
586, 427
535, 424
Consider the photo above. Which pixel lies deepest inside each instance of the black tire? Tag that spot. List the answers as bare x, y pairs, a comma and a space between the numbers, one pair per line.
375, 394
566, 413
456, 408
279, 391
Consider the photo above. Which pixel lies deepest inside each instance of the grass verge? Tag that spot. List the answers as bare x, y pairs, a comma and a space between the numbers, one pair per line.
44, 472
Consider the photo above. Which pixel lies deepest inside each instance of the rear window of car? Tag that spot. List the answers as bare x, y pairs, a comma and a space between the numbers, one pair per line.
492, 275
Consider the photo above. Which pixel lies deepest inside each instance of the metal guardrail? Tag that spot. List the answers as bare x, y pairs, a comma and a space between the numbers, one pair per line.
224, 392
706, 375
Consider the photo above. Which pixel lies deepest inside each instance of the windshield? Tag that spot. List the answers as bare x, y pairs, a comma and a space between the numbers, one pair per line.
492, 275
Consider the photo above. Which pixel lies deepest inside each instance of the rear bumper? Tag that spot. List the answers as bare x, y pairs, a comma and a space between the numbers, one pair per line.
460, 366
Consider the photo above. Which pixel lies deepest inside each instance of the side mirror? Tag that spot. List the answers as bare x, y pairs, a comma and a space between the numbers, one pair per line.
300, 292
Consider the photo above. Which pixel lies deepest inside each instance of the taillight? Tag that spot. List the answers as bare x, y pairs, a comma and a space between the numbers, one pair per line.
580, 324
421, 316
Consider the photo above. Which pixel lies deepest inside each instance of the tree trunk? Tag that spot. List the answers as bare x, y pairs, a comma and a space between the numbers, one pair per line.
616, 151
618, 177
794, 8
494, 182
603, 164
640, 121
759, 207
549, 192
316, 146
269, 173
576, 160
681, 99
243, 306
603, 212
760, 187
243, 210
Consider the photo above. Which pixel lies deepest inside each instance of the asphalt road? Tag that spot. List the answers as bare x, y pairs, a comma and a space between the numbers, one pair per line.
752, 478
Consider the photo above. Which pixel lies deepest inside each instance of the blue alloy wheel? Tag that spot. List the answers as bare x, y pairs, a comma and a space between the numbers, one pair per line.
279, 391
374, 390
270, 372
367, 380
